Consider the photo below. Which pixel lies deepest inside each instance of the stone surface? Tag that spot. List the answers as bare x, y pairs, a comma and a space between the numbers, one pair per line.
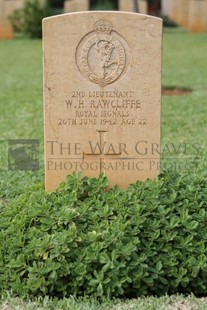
2, 8
165, 7
173, 10
12, 5
198, 15
102, 95
5, 27
6, 31
183, 13
76, 6
7, 7
143, 6
126, 5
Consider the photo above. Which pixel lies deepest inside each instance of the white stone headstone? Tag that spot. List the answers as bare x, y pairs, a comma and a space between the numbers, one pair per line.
102, 96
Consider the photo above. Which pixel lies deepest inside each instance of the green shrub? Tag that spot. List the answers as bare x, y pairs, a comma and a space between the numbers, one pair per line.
167, 22
84, 240
34, 12
17, 20
29, 18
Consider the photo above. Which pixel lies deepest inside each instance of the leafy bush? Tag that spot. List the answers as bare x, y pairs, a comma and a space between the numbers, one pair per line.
34, 12
167, 22
84, 240
29, 18
17, 20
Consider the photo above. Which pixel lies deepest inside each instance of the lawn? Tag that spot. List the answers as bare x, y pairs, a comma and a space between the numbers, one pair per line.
183, 124
152, 303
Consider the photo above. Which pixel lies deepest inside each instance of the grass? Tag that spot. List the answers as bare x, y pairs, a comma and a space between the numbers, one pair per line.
184, 65
164, 303
21, 111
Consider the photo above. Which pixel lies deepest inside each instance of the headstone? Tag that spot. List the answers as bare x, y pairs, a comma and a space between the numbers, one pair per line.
6, 31
76, 6
7, 7
183, 13
198, 15
2, 8
102, 96
143, 6
12, 5
69, 6
165, 5
173, 10
127, 6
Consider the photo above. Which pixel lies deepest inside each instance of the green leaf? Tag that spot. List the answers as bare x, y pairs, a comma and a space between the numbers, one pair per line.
159, 265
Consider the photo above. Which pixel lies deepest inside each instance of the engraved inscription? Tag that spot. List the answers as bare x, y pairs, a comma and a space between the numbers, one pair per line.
102, 55
102, 149
103, 108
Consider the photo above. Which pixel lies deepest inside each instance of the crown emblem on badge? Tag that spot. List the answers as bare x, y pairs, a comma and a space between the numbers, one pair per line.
103, 26
101, 55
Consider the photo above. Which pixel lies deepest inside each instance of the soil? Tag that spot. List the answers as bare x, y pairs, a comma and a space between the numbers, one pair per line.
175, 91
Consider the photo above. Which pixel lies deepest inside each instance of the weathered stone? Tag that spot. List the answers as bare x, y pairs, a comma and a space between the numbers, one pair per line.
143, 6
102, 94
127, 6
76, 6
165, 7
198, 15
6, 31
12, 5
7, 7
183, 13
173, 10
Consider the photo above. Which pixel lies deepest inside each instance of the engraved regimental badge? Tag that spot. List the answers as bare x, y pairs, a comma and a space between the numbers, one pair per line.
102, 55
